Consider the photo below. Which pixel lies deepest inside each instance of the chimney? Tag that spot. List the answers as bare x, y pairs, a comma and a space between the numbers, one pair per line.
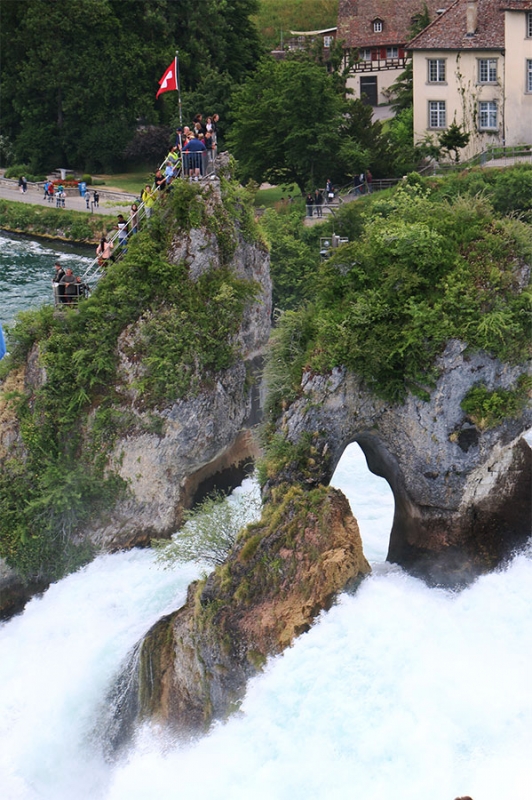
471, 17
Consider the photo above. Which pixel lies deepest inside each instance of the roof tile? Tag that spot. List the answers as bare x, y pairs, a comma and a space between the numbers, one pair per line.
449, 30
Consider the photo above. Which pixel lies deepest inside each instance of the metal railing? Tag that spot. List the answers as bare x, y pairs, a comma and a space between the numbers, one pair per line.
193, 166
61, 299
492, 153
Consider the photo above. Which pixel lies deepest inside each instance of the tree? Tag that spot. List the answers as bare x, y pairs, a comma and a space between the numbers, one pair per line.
292, 125
454, 139
78, 78
210, 531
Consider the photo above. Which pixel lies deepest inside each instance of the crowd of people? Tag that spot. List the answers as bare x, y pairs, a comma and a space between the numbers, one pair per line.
195, 146
194, 150
69, 289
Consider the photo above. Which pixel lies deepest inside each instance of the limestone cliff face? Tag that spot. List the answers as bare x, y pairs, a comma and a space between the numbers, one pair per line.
462, 494
199, 436
194, 663
168, 453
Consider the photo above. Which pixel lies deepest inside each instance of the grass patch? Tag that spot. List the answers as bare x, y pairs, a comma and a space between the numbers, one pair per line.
275, 16
269, 198
133, 182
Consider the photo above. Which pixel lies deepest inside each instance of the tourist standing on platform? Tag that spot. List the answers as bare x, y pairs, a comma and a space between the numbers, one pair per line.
148, 198
318, 202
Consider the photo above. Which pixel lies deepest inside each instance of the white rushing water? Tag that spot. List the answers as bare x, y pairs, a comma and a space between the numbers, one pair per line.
400, 692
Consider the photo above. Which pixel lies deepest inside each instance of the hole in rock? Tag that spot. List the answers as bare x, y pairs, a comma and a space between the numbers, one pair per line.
371, 500
224, 481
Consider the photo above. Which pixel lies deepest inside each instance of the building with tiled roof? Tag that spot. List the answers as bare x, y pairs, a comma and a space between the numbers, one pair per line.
473, 66
375, 34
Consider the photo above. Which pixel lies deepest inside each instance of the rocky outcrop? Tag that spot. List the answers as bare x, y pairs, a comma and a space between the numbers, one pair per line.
193, 664
171, 454
462, 493
177, 449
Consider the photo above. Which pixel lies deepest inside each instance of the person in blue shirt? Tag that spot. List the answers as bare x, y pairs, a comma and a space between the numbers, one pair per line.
2, 344
194, 151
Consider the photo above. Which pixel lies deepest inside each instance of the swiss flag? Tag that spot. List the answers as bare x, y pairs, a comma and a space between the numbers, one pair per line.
168, 82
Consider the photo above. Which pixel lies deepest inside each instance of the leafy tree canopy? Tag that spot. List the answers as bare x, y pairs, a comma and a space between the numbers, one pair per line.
77, 78
292, 125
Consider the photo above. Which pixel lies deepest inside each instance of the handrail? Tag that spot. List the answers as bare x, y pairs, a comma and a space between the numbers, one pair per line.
492, 153
206, 168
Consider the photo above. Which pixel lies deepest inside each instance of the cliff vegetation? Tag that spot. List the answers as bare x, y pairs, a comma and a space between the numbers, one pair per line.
421, 268
66, 407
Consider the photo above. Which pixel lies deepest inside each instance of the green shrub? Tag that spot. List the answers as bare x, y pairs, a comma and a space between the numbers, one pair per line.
489, 408
424, 269
16, 170
210, 531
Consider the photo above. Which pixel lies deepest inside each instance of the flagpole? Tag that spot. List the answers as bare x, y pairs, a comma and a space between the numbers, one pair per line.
178, 88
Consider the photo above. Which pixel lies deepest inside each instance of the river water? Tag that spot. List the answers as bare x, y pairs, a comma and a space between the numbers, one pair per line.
26, 269
399, 692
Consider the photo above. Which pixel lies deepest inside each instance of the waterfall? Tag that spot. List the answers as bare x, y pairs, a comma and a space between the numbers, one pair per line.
399, 691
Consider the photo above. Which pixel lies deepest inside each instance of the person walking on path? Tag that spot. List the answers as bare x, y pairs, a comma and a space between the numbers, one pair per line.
309, 202
318, 202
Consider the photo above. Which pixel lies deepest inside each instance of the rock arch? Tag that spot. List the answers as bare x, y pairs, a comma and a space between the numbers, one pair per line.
462, 493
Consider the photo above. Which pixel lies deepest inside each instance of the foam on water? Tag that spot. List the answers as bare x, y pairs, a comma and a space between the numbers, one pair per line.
400, 692
57, 662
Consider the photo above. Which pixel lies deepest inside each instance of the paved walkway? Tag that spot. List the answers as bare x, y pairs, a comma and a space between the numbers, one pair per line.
112, 205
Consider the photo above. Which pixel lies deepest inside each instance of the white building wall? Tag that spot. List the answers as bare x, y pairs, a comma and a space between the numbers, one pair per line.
385, 78
518, 106
462, 93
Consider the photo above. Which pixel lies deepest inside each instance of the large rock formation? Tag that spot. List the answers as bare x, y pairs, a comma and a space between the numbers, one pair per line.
198, 436
170, 453
462, 504
462, 492
193, 665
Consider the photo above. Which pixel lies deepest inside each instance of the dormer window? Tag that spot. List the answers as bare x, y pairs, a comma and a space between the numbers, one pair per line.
377, 26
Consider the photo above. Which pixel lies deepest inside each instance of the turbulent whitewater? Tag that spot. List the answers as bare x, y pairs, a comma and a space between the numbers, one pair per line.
399, 691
